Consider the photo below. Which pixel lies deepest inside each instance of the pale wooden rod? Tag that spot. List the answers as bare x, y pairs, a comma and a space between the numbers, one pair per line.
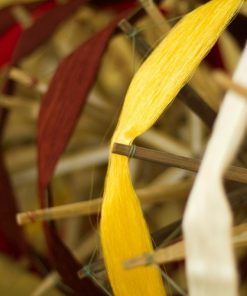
228, 84
93, 206
158, 194
22, 77
176, 252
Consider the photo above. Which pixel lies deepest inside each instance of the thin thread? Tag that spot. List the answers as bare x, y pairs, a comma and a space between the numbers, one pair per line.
88, 273
171, 282
141, 29
132, 151
171, 236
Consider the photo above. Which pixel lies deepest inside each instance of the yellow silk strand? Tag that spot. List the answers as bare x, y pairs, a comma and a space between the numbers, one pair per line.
124, 233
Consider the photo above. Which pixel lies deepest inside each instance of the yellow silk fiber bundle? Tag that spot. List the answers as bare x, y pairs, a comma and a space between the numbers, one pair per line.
124, 233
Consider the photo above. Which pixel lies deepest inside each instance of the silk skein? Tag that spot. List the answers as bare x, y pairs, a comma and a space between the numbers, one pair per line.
124, 233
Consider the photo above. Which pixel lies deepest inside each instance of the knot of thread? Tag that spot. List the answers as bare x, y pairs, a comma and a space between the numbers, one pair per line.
132, 151
133, 33
87, 271
148, 258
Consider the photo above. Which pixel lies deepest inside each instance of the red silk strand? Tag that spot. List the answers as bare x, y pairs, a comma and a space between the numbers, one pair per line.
9, 40
60, 110
12, 239
49, 22
43, 28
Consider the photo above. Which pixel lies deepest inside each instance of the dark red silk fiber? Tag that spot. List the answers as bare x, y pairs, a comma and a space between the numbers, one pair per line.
7, 200
60, 110
9, 39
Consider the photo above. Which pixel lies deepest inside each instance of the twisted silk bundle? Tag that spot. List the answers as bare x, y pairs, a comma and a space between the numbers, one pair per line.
66, 98
124, 233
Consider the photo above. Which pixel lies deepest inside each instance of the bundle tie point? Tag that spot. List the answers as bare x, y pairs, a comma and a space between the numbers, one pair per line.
132, 151
85, 272
148, 258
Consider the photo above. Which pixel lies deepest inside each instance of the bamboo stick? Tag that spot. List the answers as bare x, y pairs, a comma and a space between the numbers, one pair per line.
18, 280
157, 194
40, 86
173, 231
243, 10
89, 207
230, 51
156, 16
20, 76
176, 252
22, 16
160, 140
143, 48
234, 173
79, 161
228, 84
11, 102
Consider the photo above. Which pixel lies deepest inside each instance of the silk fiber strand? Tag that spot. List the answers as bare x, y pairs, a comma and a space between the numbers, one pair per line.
124, 232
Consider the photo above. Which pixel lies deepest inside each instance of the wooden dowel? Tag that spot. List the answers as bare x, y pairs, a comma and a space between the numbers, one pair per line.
89, 207
234, 173
228, 84
137, 13
237, 199
158, 236
243, 10
11, 102
169, 254
54, 213
156, 139
191, 99
230, 51
166, 192
142, 46
173, 253
24, 78
20, 76
22, 16
150, 195
156, 16
176, 251
79, 161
